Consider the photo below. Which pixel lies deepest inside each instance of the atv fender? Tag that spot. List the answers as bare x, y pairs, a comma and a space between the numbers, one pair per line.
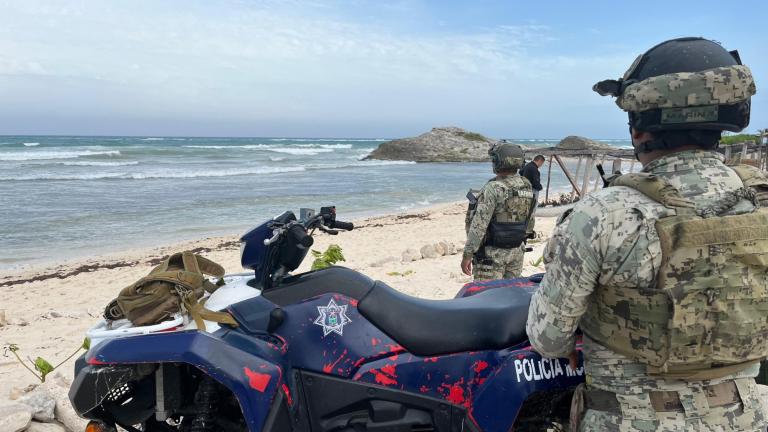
253, 381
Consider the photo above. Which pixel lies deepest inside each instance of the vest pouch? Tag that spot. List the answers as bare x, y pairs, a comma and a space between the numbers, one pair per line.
706, 317
714, 272
507, 235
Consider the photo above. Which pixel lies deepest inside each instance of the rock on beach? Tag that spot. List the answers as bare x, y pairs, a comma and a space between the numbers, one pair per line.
441, 144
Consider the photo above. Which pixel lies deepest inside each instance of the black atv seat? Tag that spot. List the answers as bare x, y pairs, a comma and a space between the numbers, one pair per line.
494, 319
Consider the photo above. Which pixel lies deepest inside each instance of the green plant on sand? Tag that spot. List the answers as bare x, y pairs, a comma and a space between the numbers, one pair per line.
403, 274
331, 256
537, 262
43, 367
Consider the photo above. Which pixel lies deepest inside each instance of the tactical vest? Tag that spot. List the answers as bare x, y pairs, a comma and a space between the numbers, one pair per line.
707, 315
175, 285
509, 226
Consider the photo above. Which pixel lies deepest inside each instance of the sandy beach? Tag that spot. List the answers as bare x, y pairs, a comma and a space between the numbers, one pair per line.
48, 309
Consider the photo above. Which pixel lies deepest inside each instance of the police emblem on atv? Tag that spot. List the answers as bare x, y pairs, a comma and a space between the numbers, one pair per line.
332, 318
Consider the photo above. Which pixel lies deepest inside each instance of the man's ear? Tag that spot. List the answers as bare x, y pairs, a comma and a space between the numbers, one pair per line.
640, 136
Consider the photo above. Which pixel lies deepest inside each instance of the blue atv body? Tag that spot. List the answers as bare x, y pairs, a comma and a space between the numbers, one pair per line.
332, 351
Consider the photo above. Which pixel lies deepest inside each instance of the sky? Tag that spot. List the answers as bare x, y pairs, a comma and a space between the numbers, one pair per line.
346, 68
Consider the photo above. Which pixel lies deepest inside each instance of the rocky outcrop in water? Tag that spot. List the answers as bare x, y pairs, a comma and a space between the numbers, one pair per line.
580, 143
443, 144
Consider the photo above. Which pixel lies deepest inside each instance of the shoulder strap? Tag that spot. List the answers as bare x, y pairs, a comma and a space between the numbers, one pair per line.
657, 189
750, 176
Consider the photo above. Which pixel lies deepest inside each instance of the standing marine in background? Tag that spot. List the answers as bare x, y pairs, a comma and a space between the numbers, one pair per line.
665, 270
499, 219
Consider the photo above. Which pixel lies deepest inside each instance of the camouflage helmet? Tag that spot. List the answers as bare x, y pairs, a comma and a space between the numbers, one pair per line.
506, 156
684, 84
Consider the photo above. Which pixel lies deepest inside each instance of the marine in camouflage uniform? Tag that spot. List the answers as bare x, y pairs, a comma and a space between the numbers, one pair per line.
508, 197
609, 244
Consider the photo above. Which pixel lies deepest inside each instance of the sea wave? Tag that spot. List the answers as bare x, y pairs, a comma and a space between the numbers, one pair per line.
31, 144
326, 146
187, 174
382, 162
153, 139
303, 151
101, 164
43, 155
327, 139
154, 175
299, 151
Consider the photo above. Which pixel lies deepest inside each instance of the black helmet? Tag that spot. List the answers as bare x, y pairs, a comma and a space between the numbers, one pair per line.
506, 156
684, 84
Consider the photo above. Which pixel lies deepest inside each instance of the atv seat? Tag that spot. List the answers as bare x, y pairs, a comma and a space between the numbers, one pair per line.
491, 320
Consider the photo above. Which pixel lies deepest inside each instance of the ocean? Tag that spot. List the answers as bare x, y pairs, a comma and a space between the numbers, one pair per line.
68, 197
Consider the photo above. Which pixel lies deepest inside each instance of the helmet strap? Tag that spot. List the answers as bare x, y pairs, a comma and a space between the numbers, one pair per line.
674, 139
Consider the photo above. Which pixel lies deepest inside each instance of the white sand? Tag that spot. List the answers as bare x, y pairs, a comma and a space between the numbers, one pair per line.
49, 317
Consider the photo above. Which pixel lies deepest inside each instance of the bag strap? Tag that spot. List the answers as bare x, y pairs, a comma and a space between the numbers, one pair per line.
657, 189
199, 264
200, 313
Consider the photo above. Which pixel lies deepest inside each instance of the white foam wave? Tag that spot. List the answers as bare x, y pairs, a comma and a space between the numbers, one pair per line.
154, 175
216, 173
327, 146
49, 176
299, 149
276, 159
32, 144
327, 139
153, 139
101, 164
214, 147
43, 155
382, 162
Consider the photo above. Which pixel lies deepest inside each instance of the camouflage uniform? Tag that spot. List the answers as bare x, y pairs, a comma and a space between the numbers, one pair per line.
610, 240
507, 198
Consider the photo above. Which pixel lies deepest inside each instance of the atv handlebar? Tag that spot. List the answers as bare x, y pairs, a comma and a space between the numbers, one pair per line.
299, 230
346, 226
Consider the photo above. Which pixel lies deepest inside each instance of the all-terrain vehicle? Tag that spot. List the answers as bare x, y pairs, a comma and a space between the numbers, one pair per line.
326, 351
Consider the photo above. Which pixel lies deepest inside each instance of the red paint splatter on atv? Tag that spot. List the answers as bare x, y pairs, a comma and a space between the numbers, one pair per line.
386, 376
455, 394
288, 397
257, 381
480, 366
328, 367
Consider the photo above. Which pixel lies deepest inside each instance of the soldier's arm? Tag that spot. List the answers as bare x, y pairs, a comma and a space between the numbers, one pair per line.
573, 262
486, 205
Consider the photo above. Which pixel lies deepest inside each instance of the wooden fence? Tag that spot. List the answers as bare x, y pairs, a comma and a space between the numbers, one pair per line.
752, 153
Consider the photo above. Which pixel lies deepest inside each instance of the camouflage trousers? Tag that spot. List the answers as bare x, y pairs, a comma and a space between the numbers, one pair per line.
499, 264
639, 416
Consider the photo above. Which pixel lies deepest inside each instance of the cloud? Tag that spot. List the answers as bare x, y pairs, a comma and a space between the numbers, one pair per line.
269, 61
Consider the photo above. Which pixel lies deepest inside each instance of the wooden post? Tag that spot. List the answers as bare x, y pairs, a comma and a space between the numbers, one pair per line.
578, 172
632, 165
744, 148
616, 165
727, 154
567, 174
587, 174
549, 176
